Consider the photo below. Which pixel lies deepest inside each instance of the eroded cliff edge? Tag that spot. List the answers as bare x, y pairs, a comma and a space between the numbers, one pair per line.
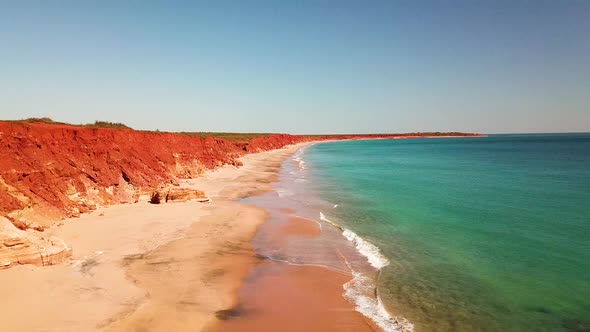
52, 171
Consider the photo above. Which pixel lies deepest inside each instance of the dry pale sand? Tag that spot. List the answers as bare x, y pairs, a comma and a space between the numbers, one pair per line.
143, 267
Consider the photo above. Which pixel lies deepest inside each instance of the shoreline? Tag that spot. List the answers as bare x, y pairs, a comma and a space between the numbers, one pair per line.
308, 253
340, 251
291, 290
109, 285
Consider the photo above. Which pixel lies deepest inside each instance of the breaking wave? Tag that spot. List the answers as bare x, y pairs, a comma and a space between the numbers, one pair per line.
300, 163
366, 248
372, 308
357, 289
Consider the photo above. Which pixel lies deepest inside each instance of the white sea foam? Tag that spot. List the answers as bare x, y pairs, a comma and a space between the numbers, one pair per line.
283, 192
323, 217
360, 286
317, 222
366, 248
372, 308
300, 162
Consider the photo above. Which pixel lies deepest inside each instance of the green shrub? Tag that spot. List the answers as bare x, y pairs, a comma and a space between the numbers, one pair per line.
107, 124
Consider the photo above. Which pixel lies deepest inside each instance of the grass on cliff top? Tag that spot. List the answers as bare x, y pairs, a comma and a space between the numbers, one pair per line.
96, 124
227, 136
107, 124
118, 125
38, 120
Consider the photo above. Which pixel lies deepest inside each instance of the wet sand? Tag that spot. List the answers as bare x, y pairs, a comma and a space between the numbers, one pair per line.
294, 228
283, 297
181, 267
300, 227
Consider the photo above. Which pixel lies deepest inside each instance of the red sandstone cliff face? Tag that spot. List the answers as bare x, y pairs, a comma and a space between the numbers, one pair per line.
57, 171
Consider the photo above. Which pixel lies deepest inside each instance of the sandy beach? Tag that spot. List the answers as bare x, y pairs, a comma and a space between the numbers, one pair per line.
168, 266
175, 266
294, 297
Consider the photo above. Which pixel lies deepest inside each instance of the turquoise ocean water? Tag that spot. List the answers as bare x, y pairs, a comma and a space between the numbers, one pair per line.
482, 234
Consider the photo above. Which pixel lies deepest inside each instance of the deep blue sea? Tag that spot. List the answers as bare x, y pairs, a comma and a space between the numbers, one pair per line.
482, 234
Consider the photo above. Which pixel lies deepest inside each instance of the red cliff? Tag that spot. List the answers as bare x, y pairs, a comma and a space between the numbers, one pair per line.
63, 170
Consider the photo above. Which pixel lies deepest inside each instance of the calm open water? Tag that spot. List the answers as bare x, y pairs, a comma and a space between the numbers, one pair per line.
482, 234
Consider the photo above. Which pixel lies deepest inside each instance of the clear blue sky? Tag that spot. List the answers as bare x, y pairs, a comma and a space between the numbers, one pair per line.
300, 66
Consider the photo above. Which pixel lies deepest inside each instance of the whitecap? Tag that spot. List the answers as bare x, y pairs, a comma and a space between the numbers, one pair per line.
366, 248
372, 308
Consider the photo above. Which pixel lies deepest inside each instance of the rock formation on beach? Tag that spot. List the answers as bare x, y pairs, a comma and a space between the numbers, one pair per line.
27, 247
172, 194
